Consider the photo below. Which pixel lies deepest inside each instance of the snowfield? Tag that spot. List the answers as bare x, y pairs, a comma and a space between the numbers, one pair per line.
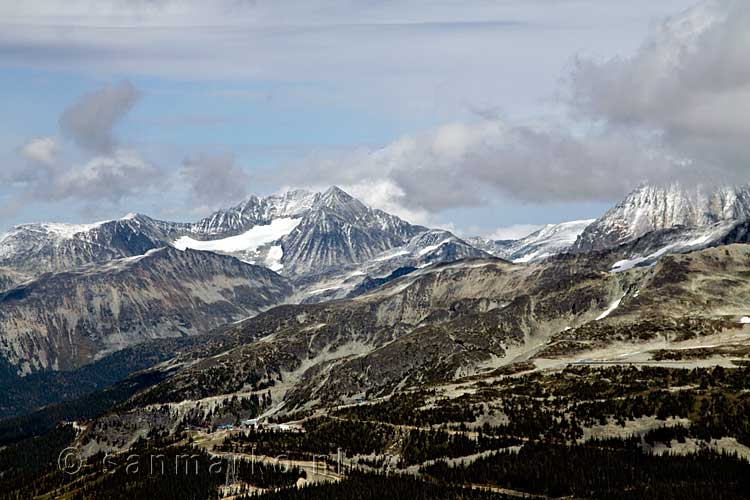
249, 240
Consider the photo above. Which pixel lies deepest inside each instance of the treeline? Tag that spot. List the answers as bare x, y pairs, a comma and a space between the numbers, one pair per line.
363, 486
580, 382
231, 411
421, 446
22, 395
405, 409
326, 436
612, 470
540, 406
322, 436
157, 468
17, 428
22, 462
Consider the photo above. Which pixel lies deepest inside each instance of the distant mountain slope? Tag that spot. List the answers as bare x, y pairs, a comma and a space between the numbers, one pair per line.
429, 247
51, 247
550, 240
61, 321
448, 321
260, 244
492, 247
651, 208
301, 233
10, 278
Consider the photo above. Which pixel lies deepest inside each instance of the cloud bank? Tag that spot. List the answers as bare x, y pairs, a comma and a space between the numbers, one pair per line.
108, 173
672, 109
688, 85
676, 110
41, 151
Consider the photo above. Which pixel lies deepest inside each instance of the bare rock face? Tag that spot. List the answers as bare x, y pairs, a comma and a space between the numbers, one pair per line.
651, 208
318, 232
61, 321
10, 278
492, 247
445, 322
322, 232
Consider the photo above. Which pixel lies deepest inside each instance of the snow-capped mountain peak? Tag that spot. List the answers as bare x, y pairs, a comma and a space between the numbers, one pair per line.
650, 208
336, 200
45, 247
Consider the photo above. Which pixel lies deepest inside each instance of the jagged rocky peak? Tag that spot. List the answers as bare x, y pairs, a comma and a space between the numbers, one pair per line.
339, 229
255, 211
649, 208
438, 245
341, 203
335, 196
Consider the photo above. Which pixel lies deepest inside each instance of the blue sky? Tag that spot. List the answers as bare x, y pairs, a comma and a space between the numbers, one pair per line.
448, 113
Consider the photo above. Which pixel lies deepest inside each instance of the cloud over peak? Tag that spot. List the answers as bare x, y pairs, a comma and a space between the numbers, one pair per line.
214, 180
675, 110
89, 122
689, 83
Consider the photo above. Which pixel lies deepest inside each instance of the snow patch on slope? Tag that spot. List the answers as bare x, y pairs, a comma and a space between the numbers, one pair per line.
249, 240
687, 245
614, 305
432, 248
273, 258
390, 255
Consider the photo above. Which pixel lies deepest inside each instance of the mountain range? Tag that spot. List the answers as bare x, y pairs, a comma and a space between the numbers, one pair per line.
75, 293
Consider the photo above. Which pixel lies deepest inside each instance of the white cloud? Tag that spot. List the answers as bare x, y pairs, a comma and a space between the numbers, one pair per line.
105, 178
675, 110
468, 164
42, 150
689, 84
386, 195
112, 174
